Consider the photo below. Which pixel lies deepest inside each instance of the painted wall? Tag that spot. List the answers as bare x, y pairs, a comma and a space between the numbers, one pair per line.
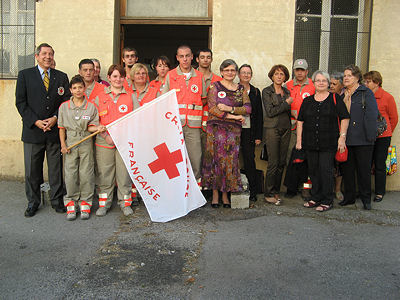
384, 57
259, 33
76, 29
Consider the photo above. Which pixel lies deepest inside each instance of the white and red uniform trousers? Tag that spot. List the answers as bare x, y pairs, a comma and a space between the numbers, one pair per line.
110, 166
79, 163
190, 92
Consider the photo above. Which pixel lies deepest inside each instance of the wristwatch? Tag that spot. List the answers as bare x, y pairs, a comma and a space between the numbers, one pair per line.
233, 110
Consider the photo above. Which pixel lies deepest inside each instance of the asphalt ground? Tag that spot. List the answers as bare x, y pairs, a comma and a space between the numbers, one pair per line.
265, 252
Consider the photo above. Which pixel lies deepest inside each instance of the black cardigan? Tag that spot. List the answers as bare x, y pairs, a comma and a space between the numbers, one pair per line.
256, 116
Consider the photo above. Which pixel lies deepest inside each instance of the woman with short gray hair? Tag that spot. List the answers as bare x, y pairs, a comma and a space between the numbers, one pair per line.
318, 134
228, 102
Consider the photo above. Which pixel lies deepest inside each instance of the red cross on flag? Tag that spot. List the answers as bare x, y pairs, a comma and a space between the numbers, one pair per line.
150, 141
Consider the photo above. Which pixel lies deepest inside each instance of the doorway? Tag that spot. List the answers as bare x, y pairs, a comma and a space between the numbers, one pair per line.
152, 41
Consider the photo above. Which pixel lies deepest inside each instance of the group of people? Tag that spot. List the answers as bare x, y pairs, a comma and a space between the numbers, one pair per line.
219, 119
330, 114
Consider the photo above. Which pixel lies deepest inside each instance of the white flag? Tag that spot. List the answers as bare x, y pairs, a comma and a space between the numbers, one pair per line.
150, 141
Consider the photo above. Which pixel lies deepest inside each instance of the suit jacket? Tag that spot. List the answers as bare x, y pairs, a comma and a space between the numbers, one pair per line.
35, 103
256, 116
274, 106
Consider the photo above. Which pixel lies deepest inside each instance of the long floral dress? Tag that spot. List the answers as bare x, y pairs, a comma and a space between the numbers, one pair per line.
220, 170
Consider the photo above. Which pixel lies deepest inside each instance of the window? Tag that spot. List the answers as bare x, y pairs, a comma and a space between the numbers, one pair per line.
17, 36
331, 34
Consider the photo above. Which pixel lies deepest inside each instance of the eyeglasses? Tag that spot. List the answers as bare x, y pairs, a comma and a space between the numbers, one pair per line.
229, 71
321, 81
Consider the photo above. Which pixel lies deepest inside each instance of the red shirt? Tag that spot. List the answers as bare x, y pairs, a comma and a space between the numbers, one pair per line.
388, 109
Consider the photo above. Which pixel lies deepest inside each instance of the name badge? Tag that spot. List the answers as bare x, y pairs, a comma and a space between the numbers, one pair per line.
102, 113
85, 117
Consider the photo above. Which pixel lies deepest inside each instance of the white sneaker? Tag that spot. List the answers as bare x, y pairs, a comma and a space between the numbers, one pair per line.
127, 210
84, 215
101, 212
71, 216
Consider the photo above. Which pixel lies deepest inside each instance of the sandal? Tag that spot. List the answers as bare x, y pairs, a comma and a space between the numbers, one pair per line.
339, 196
310, 203
273, 200
323, 207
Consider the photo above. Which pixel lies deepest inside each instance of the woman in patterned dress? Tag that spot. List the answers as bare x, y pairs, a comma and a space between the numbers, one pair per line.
228, 102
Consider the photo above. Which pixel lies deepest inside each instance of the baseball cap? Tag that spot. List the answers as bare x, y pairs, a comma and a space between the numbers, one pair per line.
300, 63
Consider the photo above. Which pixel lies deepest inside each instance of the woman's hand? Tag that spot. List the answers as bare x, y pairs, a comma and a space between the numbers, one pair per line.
240, 118
298, 145
289, 100
223, 107
342, 144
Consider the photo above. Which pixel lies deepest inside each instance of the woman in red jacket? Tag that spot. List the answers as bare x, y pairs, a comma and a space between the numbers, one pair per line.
387, 108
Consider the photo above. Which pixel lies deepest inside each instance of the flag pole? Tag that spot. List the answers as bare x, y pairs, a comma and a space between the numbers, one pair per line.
84, 139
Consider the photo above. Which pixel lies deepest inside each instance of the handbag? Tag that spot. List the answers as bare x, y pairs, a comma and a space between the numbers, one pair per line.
391, 161
342, 156
264, 153
381, 124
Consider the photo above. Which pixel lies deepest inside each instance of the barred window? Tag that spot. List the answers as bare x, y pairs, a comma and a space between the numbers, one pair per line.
17, 36
331, 34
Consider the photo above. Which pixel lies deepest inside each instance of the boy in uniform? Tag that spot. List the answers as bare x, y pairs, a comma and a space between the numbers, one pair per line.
77, 119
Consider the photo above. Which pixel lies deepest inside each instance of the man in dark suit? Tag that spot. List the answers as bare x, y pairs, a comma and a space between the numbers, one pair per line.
40, 91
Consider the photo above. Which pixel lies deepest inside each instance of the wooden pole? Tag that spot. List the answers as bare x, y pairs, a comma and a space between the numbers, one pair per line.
84, 139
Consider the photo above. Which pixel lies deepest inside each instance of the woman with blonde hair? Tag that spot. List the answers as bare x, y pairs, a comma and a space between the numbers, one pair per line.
142, 91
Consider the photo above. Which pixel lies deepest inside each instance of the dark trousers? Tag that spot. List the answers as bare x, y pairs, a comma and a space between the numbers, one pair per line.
321, 166
358, 160
248, 146
33, 159
379, 159
277, 141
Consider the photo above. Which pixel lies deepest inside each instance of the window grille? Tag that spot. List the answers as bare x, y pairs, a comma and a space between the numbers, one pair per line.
17, 36
331, 34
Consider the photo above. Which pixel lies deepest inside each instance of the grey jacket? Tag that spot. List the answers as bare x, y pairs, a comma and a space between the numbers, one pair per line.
273, 106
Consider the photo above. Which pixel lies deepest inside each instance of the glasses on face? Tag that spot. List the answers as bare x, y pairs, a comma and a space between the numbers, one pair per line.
229, 71
245, 73
321, 81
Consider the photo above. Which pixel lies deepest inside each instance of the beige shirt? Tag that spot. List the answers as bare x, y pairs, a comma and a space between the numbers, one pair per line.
77, 119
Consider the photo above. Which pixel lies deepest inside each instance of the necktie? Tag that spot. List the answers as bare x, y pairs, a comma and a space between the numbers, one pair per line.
46, 80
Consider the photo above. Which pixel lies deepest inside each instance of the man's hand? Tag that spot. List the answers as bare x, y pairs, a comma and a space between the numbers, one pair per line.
50, 122
64, 149
41, 124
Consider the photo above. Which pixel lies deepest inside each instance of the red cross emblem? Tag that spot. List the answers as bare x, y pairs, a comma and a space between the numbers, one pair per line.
166, 161
123, 108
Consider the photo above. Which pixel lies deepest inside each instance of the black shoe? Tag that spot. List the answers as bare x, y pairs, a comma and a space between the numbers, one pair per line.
227, 205
345, 202
290, 195
214, 205
367, 206
253, 198
378, 198
30, 212
59, 209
